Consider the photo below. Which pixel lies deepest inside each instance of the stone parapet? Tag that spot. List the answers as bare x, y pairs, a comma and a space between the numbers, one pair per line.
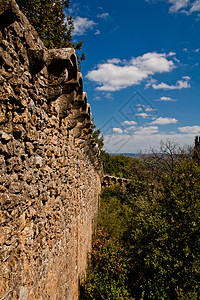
109, 181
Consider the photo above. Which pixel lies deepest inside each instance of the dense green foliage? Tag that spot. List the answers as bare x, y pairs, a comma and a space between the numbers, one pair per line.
109, 267
164, 240
109, 275
122, 166
147, 241
49, 19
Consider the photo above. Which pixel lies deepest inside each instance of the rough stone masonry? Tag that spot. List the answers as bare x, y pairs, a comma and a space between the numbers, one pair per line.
50, 173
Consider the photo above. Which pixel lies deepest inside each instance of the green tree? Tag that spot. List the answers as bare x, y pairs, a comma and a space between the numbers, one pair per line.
48, 18
107, 275
164, 240
96, 135
148, 246
123, 166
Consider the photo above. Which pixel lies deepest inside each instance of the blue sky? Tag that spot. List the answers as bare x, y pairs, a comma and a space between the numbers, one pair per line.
141, 71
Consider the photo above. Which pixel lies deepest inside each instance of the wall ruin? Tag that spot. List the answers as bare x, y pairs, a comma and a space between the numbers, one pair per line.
109, 181
50, 172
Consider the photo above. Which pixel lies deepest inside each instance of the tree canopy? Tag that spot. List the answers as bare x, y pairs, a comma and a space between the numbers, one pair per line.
147, 240
51, 23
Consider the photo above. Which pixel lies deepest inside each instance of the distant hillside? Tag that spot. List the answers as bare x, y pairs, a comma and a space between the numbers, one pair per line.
134, 155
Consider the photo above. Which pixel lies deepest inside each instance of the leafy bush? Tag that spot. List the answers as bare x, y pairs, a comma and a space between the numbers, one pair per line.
147, 243
108, 270
163, 244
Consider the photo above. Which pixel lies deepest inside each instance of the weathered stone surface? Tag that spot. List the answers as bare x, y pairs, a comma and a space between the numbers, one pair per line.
5, 5
50, 174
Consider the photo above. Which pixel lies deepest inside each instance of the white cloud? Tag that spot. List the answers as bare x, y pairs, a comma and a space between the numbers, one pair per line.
186, 77
149, 109
153, 62
147, 130
115, 75
129, 123
117, 130
115, 61
181, 84
108, 95
172, 53
140, 107
142, 115
150, 82
182, 6
97, 32
190, 129
81, 25
195, 50
195, 6
114, 78
177, 5
103, 15
144, 108
131, 128
163, 98
164, 121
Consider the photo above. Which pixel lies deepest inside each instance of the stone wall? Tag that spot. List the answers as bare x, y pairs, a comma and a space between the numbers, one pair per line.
50, 173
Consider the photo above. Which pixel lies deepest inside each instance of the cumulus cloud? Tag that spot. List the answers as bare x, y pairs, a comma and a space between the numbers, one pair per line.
142, 115
147, 130
129, 123
115, 75
117, 130
181, 84
114, 78
164, 121
190, 129
114, 61
163, 98
81, 25
153, 62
